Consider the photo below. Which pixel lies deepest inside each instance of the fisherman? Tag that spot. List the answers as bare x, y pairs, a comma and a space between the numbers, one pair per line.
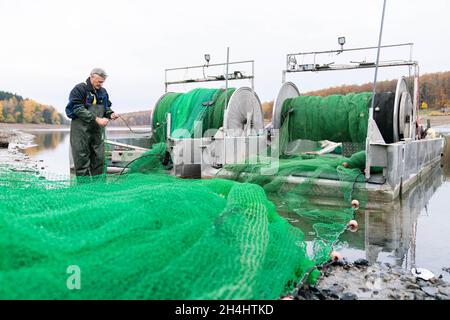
90, 110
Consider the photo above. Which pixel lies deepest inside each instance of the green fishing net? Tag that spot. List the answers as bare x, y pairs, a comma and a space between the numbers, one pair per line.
144, 236
338, 118
300, 181
205, 106
300, 176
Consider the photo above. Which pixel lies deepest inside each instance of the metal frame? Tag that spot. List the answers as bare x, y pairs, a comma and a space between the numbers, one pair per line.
197, 166
359, 65
225, 77
130, 154
373, 135
355, 65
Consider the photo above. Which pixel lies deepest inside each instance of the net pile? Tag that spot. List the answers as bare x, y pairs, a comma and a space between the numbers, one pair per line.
142, 236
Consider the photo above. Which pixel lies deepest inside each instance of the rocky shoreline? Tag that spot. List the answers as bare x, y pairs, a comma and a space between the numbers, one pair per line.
360, 281
11, 156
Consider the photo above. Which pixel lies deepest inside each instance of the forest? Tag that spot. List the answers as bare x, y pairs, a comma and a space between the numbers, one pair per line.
16, 109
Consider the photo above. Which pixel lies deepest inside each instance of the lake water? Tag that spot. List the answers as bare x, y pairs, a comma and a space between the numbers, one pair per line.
412, 231
53, 147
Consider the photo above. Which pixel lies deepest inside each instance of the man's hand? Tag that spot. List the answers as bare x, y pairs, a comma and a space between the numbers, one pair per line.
102, 122
114, 116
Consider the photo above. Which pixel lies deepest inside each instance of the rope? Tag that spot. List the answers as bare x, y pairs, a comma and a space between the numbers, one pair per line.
131, 130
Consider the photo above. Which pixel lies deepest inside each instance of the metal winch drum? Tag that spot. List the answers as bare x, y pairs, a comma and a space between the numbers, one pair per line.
395, 114
243, 121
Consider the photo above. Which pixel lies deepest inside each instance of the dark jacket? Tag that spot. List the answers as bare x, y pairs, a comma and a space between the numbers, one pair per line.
83, 96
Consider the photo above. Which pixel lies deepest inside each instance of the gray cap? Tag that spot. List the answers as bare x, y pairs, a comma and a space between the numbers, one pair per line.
99, 71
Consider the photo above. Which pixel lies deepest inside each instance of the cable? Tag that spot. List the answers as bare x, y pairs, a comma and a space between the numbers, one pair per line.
354, 184
131, 162
131, 130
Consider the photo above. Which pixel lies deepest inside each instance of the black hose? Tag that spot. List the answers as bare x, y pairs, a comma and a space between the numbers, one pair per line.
141, 157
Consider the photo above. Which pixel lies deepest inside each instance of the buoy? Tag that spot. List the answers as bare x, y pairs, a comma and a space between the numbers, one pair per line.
335, 256
355, 204
352, 226
345, 164
287, 298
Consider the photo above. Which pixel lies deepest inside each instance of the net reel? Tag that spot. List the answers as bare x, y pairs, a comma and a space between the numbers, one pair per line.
239, 137
394, 113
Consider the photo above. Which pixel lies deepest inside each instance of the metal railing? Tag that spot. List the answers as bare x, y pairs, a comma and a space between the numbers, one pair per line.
236, 75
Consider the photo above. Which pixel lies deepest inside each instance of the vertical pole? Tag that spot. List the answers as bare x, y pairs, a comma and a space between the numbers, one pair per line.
253, 75
373, 94
168, 125
225, 116
411, 48
165, 77
415, 122
226, 94
226, 78
378, 60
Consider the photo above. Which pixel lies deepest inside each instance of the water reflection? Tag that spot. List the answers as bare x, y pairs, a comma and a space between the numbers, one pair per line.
53, 148
390, 232
46, 142
409, 232
446, 158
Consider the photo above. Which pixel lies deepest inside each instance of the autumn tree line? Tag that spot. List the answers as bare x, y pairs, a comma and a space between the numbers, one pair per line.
434, 91
16, 109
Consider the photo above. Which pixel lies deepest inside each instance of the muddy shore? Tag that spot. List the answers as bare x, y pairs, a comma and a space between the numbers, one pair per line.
360, 281
436, 121
11, 156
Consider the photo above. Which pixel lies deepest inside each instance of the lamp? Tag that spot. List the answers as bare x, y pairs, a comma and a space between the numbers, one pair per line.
341, 41
207, 58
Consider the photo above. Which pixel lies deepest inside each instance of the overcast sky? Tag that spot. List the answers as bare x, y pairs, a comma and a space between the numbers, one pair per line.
48, 46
